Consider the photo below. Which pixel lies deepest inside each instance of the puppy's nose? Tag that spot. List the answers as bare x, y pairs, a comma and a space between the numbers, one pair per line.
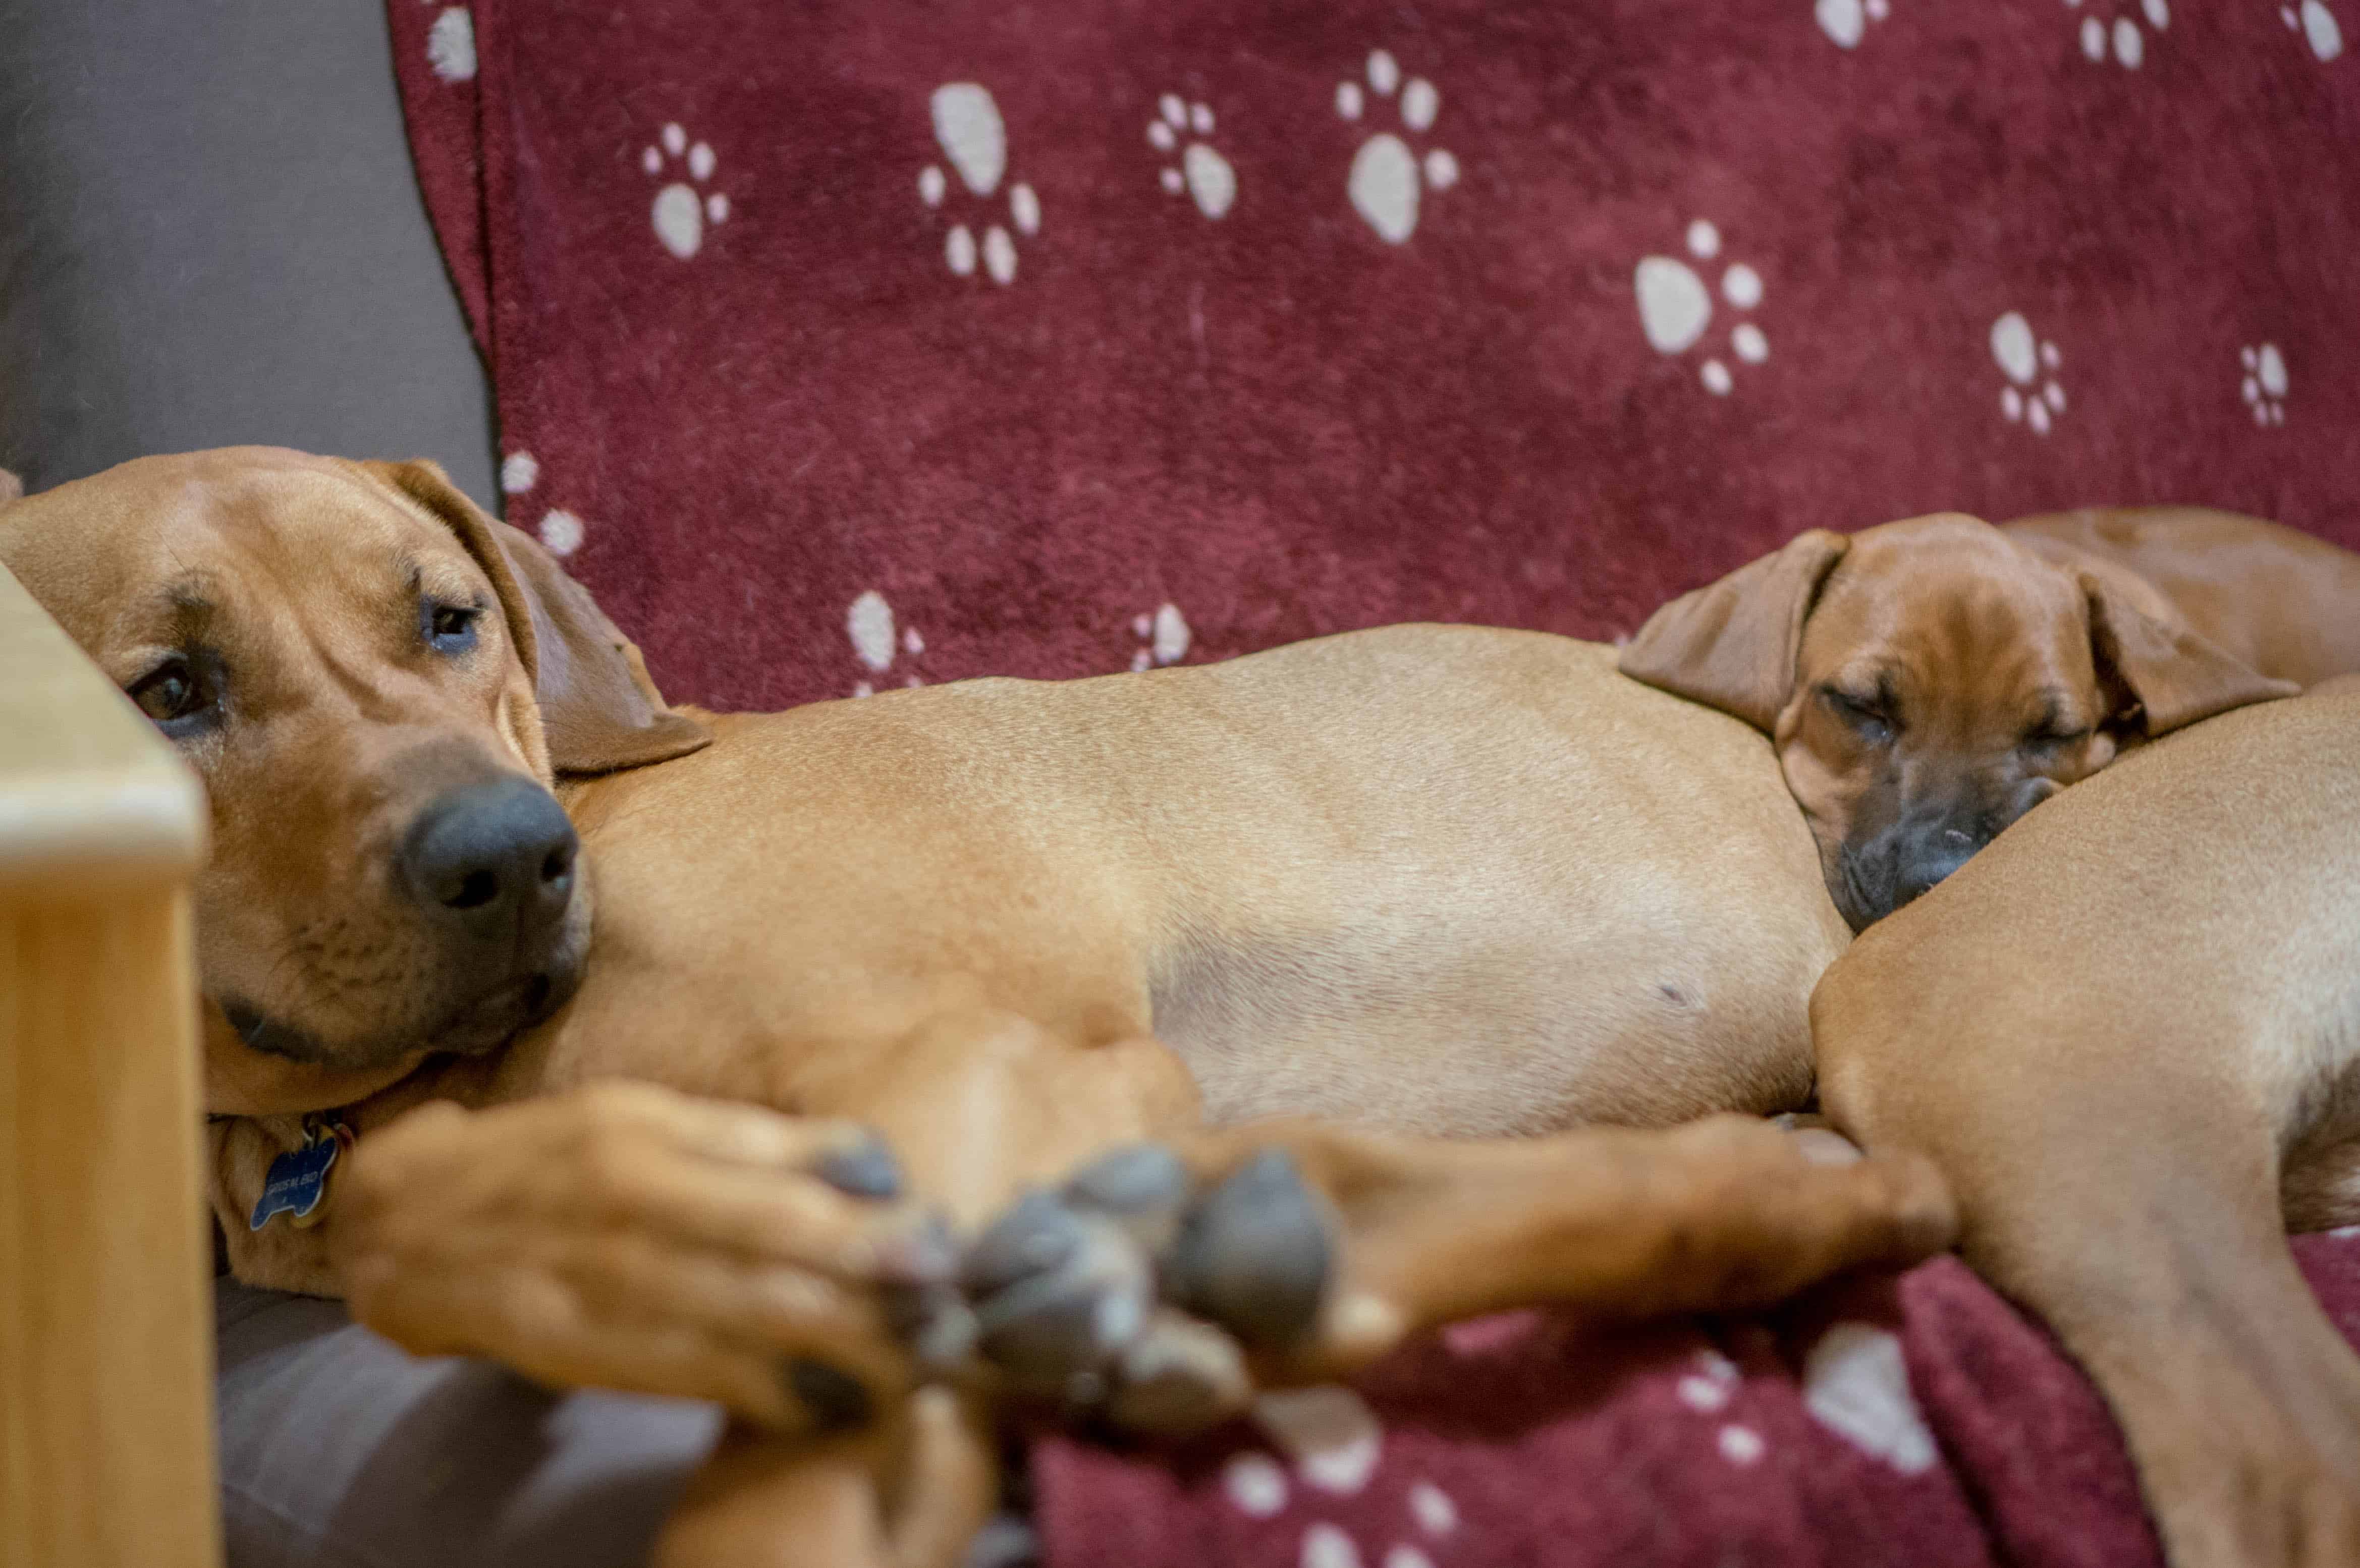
1932, 858
496, 859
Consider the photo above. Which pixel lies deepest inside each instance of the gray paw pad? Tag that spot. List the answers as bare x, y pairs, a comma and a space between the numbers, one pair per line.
1060, 1294
1254, 1255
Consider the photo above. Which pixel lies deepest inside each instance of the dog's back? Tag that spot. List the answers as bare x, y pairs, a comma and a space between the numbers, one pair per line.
2285, 602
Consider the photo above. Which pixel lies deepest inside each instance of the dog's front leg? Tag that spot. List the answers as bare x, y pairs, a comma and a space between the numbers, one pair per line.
625, 1237
981, 1103
909, 1491
1164, 1283
2118, 1172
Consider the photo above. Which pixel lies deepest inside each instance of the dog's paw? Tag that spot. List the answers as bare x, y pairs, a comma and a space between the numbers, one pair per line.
1135, 1291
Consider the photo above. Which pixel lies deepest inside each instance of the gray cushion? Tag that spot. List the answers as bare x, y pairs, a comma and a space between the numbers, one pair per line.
338, 1450
209, 233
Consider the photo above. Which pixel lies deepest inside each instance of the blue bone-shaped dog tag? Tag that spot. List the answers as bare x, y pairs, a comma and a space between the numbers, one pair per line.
297, 1181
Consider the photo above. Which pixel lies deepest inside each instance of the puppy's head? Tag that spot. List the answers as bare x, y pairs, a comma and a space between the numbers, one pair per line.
377, 685
1928, 681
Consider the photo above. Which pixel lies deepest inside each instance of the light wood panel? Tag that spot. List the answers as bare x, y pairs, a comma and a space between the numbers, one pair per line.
106, 1454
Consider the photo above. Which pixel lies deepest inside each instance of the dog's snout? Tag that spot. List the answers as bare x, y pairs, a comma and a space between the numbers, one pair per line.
1931, 856
495, 858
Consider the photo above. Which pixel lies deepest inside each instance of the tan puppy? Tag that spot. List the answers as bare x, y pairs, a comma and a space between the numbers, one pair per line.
1928, 681
2128, 1032
1437, 881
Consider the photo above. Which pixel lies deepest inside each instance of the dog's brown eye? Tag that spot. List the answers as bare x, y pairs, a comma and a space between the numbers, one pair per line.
2052, 738
451, 628
170, 694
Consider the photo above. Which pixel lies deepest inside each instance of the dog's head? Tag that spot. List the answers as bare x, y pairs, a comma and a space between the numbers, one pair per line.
377, 685
1928, 681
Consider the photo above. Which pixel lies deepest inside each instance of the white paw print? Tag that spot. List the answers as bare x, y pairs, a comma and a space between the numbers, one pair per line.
968, 129
870, 624
561, 530
1164, 637
2024, 360
451, 45
2264, 387
681, 214
1203, 173
1856, 1380
2130, 43
1845, 20
1335, 1441
1675, 306
1385, 184
2317, 24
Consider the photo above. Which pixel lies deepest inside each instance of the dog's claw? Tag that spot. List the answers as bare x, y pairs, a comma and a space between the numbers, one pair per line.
1038, 1235
1053, 1330
1144, 1178
1179, 1377
834, 1398
1254, 1255
865, 1170
934, 1322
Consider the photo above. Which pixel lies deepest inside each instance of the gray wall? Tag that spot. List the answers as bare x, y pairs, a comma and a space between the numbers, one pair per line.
210, 234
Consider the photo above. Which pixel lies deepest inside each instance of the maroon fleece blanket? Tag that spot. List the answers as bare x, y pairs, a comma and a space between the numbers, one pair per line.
853, 343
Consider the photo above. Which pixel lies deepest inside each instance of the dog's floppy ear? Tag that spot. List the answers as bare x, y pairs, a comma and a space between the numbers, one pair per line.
2174, 675
599, 708
1733, 646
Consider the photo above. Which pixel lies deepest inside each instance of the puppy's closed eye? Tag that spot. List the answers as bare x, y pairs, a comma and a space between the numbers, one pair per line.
2054, 736
1868, 715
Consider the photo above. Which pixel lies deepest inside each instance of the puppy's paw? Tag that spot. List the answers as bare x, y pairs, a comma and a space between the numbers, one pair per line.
1134, 1292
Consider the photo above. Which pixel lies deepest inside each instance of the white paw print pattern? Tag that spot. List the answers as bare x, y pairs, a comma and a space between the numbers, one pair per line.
1388, 180
1708, 1390
1164, 637
561, 530
2025, 359
2318, 26
1845, 21
1856, 1382
520, 471
870, 624
1675, 306
1334, 1440
451, 45
2265, 383
2129, 43
680, 212
973, 138
1202, 173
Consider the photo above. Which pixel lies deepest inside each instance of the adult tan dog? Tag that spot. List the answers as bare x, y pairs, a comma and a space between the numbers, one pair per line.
2128, 1033
1429, 880
1928, 681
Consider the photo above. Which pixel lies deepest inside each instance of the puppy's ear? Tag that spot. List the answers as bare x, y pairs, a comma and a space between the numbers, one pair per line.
2172, 674
1733, 646
599, 708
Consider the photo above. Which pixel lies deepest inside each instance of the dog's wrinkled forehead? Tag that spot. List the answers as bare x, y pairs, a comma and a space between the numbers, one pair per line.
1950, 614
165, 545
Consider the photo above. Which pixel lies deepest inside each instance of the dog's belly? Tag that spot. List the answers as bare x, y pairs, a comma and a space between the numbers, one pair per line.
1647, 1020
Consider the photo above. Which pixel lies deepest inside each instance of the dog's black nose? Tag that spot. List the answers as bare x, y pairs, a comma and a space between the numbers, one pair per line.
495, 858
1931, 858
